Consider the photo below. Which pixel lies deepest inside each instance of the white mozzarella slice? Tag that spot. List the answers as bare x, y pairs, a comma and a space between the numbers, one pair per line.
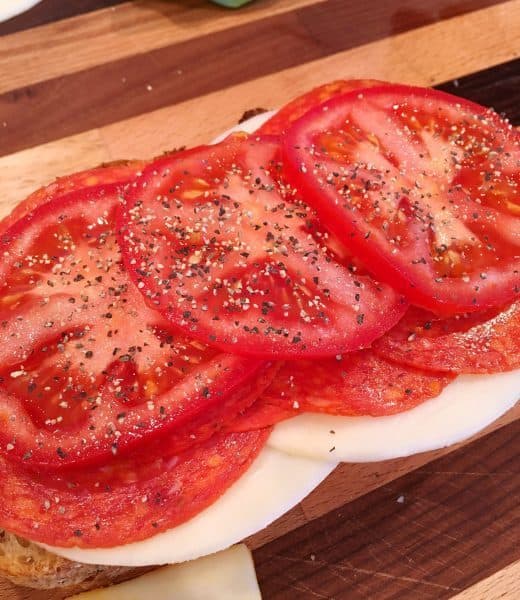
273, 484
463, 408
226, 575
11, 8
248, 126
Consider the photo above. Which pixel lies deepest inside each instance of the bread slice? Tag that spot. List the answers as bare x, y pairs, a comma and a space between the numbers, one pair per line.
26, 564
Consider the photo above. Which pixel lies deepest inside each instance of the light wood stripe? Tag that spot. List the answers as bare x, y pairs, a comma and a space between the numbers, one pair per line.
53, 50
147, 81
393, 563
424, 56
503, 585
23, 172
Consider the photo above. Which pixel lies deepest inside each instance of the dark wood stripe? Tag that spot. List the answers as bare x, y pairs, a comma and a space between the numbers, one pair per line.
53, 10
144, 82
425, 536
498, 87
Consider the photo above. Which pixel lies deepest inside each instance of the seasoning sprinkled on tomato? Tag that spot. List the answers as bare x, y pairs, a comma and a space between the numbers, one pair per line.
216, 240
89, 371
423, 185
117, 172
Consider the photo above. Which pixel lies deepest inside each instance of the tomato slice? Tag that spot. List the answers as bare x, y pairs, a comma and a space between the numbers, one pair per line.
474, 343
422, 185
121, 172
217, 242
280, 122
87, 369
124, 502
357, 384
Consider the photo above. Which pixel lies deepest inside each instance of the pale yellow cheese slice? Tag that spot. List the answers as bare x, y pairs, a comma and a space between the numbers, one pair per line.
226, 575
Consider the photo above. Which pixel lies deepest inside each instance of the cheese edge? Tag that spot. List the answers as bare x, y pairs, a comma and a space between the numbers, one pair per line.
465, 406
221, 576
275, 483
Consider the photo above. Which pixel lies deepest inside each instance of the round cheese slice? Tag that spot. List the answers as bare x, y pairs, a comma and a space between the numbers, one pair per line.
274, 484
11, 8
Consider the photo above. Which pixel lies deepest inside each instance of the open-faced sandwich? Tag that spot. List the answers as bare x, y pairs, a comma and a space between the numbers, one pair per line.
191, 344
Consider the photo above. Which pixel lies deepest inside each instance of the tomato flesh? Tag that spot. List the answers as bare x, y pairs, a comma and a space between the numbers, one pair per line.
217, 242
474, 343
357, 384
424, 186
280, 122
125, 501
87, 369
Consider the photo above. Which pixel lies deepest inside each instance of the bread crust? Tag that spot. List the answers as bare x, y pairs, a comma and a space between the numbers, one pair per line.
26, 564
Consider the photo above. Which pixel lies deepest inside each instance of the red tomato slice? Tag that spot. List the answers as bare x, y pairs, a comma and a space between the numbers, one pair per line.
88, 370
422, 185
123, 502
357, 384
121, 172
219, 244
475, 343
283, 119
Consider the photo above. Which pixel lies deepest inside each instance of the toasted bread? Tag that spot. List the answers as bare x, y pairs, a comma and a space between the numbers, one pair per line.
26, 564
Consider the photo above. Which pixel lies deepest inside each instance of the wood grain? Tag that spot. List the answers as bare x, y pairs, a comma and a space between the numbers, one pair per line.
115, 33
174, 73
498, 87
23, 172
504, 584
350, 481
458, 520
432, 533
426, 56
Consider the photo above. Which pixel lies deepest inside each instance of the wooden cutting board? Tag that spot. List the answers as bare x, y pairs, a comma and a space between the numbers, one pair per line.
92, 81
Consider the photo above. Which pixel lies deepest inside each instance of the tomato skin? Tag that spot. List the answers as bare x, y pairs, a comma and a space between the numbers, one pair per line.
212, 421
120, 172
71, 357
356, 384
126, 501
474, 343
215, 241
280, 122
490, 270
